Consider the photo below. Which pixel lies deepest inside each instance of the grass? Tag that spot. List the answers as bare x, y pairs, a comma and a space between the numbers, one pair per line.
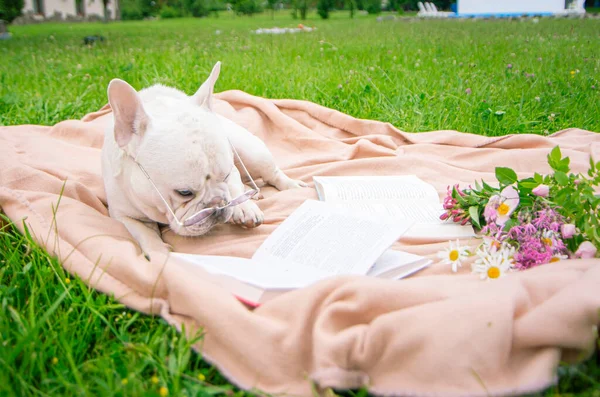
58, 337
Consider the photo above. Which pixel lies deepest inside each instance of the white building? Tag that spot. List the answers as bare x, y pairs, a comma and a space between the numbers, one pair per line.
68, 9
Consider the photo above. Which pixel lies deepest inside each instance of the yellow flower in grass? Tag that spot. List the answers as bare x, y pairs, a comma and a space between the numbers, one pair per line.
154, 379
201, 377
163, 391
454, 255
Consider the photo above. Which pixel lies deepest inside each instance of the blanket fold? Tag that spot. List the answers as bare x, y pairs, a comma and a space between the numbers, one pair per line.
434, 333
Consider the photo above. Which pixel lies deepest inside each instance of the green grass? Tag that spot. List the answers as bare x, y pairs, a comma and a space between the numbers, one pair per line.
58, 337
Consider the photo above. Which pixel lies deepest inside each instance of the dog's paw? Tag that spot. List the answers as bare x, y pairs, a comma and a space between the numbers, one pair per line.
289, 183
258, 196
247, 215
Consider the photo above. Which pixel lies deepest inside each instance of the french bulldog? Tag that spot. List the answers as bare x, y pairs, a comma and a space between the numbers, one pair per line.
167, 156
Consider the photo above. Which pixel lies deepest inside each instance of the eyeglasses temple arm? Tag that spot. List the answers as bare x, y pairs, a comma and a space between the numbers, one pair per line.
244, 167
161, 196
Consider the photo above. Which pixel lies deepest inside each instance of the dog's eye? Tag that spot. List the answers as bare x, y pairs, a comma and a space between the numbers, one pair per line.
185, 193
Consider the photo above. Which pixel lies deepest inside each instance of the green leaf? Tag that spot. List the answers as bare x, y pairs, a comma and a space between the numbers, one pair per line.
529, 183
561, 178
474, 214
506, 176
555, 155
510, 224
538, 178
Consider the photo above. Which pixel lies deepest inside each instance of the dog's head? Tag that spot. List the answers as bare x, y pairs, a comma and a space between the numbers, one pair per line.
178, 140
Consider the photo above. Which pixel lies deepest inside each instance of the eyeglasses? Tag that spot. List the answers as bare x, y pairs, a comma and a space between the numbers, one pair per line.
204, 214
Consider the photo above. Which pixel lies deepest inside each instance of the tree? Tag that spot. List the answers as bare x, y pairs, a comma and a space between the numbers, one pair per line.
10, 9
323, 8
351, 7
271, 5
246, 7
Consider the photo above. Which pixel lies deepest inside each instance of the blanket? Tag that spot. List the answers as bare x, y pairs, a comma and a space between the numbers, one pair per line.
434, 333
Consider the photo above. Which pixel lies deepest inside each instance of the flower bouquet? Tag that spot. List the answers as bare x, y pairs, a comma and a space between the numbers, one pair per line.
527, 222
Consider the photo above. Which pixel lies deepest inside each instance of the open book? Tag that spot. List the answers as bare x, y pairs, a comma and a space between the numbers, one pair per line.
397, 198
315, 242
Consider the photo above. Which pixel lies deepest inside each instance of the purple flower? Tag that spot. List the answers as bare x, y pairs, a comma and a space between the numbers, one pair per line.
509, 66
468, 91
541, 191
586, 250
567, 230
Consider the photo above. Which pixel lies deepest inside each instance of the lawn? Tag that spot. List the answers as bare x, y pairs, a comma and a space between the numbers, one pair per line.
58, 337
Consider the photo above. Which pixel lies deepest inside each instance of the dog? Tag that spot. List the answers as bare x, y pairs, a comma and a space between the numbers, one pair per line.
170, 159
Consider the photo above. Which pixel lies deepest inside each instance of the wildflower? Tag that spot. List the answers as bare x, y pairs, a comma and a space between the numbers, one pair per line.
454, 255
201, 377
491, 264
340, 86
504, 205
124, 381
371, 68
586, 250
54, 360
468, 91
154, 379
453, 208
549, 238
490, 211
537, 98
572, 73
558, 257
567, 230
509, 66
541, 190
163, 391
551, 117
67, 280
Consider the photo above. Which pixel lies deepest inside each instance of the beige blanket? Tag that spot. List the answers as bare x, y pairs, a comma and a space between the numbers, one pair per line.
436, 333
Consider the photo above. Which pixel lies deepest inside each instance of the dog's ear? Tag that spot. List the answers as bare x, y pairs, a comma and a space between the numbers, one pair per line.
203, 96
130, 117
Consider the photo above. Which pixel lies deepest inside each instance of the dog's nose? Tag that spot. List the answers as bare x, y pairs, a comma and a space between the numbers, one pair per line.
216, 201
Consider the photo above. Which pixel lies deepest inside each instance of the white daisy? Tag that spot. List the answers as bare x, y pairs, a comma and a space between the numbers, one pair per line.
453, 255
493, 263
558, 257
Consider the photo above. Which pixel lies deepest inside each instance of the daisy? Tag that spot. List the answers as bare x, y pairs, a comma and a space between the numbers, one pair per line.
454, 255
491, 265
558, 257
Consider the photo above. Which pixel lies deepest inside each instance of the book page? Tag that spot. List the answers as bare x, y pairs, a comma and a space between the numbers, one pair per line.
424, 212
393, 259
328, 239
358, 188
261, 274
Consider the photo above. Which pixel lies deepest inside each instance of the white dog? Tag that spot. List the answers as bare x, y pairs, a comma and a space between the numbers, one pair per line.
168, 156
